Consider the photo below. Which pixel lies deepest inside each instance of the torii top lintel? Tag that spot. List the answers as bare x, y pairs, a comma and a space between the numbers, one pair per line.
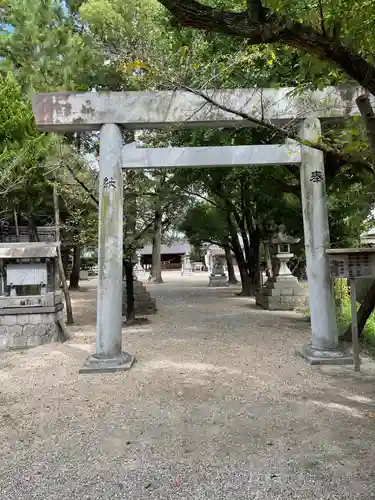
70, 111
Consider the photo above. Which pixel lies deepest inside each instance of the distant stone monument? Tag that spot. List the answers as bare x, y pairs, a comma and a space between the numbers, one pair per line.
218, 275
283, 291
186, 268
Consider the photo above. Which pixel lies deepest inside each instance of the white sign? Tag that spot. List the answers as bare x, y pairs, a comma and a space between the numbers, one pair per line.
33, 273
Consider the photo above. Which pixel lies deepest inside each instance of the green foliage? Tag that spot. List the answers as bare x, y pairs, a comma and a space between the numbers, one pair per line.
47, 50
344, 315
141, 34
129, 38
351, 20
25, 157
204, 223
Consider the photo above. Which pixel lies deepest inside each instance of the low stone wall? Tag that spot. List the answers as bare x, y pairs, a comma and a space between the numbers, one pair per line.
29, 326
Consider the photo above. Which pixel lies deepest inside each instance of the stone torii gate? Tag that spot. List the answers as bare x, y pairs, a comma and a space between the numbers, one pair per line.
109, 111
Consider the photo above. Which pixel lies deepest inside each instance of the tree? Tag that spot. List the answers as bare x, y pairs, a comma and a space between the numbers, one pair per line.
23, 148
107, 44
341, 33
47, 50
167, 204
27, 166
204, 223
331, 31
250, 200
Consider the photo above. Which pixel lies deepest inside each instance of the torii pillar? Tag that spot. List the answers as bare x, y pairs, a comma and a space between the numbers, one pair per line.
324, 347
109, 356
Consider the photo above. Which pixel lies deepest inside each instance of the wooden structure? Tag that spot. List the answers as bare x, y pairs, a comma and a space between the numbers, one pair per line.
353, 264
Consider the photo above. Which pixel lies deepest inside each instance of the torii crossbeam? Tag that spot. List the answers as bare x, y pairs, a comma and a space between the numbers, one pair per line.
205, 157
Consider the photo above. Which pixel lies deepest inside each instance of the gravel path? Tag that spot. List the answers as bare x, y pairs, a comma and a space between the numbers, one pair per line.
217, 407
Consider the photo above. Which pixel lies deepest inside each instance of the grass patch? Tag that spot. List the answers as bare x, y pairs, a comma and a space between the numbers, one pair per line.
344, 316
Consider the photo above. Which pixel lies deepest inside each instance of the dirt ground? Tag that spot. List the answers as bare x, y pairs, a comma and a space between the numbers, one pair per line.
217, 406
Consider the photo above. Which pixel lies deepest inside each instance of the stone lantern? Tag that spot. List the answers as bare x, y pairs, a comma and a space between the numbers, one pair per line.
186, 267
283, 291
218, 275
138, 271
284, 254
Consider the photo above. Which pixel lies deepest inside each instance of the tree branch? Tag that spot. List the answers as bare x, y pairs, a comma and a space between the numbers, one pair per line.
83, 185
338, 156
256, 11
143, 232
272, 29
321, 12
192, 193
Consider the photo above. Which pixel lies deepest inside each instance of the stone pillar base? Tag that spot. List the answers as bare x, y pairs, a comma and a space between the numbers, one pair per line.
186, 272
281, 294
141, 274
99, 364
218, 281
313, 356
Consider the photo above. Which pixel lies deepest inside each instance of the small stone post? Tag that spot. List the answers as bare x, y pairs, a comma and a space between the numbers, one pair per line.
324, 347
109, 356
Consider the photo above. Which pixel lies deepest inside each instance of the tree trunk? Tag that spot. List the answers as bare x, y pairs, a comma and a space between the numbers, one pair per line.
368, 117
246, 244
76, 267
156, 250
130, 208
267, 254
249, 271
231, 274
31, 229
65, 254
130, 311
246, 282
69, 310
16, 225
254, 262
242, 265
364, 312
